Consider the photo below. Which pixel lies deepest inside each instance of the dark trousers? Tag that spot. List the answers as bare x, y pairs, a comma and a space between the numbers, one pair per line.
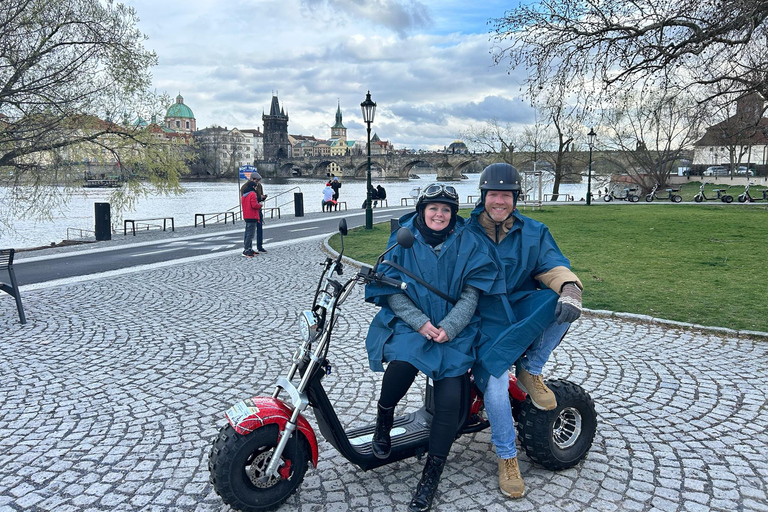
399, 377
250, 228
260, 234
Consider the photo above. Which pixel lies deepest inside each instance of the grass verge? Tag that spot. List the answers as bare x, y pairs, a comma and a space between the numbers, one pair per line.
691, 263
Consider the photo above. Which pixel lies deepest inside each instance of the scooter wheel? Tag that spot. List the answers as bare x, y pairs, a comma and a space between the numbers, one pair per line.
698, 198
607, 198
648, 198
237, 463
676, 198
727, 199
560, 438
633, 198
742, 199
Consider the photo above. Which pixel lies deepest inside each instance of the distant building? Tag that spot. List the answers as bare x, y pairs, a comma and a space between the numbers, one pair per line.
223, 151
742, 138
457, 147
180, 117
276, 143
258, 142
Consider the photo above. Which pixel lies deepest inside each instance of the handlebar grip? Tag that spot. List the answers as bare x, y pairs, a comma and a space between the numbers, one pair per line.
391, 282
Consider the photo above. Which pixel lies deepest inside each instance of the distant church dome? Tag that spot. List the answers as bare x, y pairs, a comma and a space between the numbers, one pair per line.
179, 109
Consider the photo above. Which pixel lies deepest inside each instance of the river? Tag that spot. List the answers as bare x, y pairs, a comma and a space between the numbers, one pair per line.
207, 197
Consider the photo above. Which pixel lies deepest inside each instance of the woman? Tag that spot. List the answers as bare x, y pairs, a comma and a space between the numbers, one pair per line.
417, 330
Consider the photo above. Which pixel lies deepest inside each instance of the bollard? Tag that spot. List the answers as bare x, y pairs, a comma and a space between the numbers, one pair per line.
103, 222
298, 203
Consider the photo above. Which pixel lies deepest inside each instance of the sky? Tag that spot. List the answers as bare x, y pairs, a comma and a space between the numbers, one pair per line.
427, 64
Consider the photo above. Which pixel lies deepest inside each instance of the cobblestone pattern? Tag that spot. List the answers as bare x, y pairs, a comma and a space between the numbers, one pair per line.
113, 391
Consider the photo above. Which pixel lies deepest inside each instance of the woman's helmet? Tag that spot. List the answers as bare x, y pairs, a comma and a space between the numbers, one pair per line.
438, 193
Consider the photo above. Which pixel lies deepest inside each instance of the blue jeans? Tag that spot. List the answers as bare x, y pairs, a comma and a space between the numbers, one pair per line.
250, 230
497, 404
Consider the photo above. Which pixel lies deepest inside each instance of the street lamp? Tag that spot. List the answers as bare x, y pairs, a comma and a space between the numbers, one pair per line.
369, 110
591, 141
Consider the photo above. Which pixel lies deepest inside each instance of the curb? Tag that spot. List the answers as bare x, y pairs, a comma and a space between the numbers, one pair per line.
603, 313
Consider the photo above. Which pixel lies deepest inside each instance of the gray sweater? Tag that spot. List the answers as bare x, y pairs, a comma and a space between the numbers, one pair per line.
453, 323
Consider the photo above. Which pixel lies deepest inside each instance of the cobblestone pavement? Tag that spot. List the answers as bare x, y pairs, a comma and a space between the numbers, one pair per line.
112, 393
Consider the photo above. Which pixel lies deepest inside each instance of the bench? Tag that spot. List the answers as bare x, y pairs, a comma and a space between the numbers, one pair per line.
6, 263
271, 211
339, 203
216, 215
145, 222
472, 199
404, 201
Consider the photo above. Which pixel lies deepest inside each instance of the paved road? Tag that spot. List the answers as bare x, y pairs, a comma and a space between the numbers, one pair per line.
114, 389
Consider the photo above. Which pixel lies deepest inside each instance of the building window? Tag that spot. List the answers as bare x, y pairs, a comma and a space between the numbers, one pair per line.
178, 124
187, 125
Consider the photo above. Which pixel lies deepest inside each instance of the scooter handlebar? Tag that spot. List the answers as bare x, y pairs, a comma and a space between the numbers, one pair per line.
391, 282
369, 276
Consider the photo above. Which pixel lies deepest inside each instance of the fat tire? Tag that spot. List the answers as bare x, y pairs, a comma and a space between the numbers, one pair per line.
633, 198
698, 198
648, 198
536, 427
677, 198
607, 198
727, 199
228, 459
742, 198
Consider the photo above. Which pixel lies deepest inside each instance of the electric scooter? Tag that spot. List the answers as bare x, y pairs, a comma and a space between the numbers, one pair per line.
675, 198
630, 194
721, 195
745, 196
262, 453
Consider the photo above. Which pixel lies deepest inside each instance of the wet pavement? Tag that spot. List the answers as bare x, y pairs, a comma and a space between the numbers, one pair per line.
114, 389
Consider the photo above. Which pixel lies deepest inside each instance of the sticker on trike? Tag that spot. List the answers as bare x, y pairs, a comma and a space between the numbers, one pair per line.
240, 412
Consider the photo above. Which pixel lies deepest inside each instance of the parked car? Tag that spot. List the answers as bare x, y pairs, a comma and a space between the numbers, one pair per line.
743, 171
717, 170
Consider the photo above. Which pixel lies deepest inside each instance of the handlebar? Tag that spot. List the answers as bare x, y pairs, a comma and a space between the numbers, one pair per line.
369, 276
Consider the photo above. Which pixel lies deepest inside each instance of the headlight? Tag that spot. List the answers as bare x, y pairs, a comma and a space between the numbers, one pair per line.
307, 325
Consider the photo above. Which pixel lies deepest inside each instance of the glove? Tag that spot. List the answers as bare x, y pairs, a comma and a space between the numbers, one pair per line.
568, 306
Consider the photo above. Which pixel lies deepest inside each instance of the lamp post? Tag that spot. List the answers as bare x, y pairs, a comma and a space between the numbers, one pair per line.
369, 110
591, 142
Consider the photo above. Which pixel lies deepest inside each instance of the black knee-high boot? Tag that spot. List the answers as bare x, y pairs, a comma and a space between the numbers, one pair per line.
382, 443
425, 491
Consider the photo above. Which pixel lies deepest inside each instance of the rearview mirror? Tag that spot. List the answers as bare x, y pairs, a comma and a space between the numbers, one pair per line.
405, 238
343, 227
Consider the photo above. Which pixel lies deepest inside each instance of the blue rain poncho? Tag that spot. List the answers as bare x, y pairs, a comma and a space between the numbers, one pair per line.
526, 251
463, 260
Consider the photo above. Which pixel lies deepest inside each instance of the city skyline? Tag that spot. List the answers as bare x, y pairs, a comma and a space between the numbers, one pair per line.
427, 64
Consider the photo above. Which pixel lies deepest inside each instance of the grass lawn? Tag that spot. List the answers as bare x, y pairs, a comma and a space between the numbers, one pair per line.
703, 264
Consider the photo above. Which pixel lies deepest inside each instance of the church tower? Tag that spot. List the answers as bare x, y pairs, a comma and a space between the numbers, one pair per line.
338, 131
276, 144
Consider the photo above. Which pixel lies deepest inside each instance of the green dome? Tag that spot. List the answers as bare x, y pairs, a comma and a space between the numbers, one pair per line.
179, 109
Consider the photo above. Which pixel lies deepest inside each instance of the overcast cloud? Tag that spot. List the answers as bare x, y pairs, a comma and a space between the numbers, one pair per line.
427, 64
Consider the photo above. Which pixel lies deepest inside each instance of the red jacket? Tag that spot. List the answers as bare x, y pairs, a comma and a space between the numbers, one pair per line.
251, 206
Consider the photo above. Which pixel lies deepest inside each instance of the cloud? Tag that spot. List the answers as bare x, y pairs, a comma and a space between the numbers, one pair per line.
402, 17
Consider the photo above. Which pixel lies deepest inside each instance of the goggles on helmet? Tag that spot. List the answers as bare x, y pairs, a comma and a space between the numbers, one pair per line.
439, 189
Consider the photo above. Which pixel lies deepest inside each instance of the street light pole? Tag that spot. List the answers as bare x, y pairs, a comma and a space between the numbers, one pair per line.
591, 142
369, 110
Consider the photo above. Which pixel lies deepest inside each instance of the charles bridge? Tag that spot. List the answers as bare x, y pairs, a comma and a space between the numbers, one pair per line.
447, 166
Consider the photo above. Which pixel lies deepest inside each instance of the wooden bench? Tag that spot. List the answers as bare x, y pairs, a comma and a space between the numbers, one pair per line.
214, 215
145, 222
12, 288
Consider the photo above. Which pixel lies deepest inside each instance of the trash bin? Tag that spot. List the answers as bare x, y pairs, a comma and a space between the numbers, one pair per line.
103, 222
298, 204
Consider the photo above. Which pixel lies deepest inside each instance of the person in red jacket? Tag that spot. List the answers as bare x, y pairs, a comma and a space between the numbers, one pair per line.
251, 216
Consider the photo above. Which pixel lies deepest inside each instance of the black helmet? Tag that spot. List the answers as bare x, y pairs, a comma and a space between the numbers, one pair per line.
500, 176
438, 193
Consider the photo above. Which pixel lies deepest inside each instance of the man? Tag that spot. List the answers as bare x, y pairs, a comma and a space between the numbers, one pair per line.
251, 216
261, 197
335, 185
543, 296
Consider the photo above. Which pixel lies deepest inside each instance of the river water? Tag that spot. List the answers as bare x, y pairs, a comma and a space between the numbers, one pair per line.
208, 197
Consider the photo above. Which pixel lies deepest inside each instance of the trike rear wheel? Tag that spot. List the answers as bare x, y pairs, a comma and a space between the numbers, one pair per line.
560, 438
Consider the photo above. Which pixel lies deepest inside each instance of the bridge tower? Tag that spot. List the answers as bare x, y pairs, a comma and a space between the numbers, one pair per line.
276, 144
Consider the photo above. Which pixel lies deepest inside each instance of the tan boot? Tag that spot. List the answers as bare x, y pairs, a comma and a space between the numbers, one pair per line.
542, 397
510, 479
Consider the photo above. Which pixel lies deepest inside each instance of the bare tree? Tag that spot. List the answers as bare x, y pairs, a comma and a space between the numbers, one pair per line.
719, 46
73, 77
494, 137
652, 130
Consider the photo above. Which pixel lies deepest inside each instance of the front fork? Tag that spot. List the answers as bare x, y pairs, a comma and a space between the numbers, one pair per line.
300, 403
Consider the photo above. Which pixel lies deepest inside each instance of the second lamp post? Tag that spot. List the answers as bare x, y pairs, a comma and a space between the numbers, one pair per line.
591, 141
369, 110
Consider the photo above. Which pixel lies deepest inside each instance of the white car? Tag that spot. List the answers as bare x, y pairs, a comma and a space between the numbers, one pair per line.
743, 171
716, 170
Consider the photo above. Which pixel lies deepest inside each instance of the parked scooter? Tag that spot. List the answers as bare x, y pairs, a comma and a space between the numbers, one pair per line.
260, 456
745, 196
675, 198
629, 194
721, 195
